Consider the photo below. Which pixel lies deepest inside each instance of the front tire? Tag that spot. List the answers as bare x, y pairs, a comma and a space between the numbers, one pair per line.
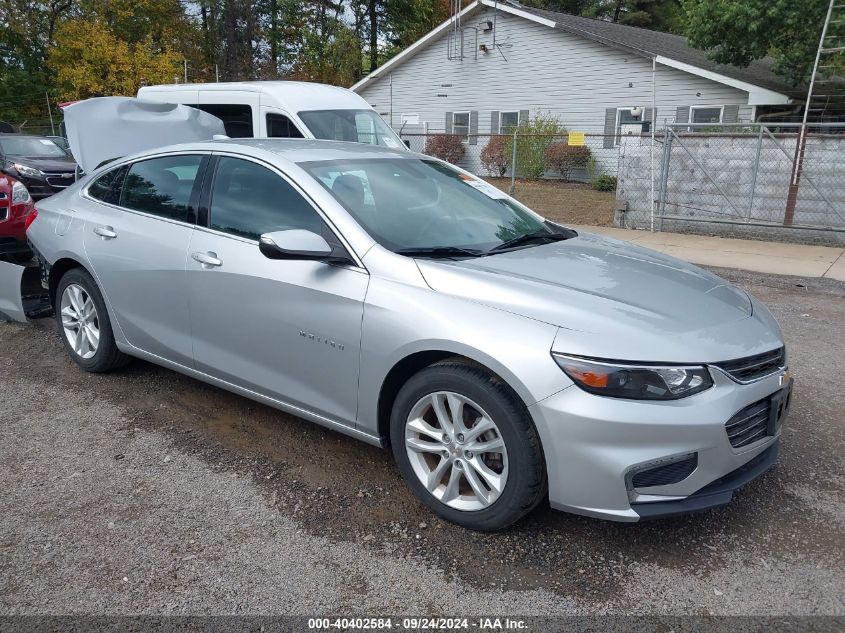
84, 323
466, 445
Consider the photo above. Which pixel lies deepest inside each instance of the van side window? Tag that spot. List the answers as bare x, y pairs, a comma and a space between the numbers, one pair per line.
236, 117
279, 126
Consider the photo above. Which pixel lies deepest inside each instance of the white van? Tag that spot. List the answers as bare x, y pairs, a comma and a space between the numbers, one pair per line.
282, 109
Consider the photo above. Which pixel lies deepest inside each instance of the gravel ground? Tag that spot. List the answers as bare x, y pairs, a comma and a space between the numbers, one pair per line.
145, 492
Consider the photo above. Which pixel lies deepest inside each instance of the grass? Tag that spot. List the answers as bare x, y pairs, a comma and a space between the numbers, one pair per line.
565, 202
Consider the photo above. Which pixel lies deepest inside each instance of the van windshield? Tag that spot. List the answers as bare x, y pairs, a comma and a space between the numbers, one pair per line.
357, 126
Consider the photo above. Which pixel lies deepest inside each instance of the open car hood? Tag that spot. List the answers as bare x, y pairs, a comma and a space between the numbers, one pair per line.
105, 128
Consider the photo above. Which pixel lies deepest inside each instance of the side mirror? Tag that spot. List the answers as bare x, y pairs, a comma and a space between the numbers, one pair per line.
294, 244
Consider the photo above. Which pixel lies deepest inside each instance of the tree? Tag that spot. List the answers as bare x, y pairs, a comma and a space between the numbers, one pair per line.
89, 60
741, 31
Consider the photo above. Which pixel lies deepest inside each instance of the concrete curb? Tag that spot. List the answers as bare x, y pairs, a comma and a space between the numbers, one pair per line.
774, 258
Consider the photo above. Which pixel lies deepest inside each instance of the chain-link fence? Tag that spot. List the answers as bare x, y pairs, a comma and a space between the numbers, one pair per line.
755, 180
570, 157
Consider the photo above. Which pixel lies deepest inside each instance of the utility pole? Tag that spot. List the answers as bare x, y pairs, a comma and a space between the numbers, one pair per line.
50, 112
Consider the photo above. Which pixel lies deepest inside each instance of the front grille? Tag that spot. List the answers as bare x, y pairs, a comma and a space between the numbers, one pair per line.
666, 474
750, 424
753, 367
59, 180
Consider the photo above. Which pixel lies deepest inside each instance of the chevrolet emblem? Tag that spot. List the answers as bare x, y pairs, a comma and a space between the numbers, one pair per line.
67, 175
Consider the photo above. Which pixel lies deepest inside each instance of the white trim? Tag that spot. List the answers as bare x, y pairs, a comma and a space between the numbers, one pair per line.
720, 108
501, 112
756, 94
501, 6
411, 50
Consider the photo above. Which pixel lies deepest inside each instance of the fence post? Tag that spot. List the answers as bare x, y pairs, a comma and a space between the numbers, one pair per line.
754, 173
664, 172
512, 190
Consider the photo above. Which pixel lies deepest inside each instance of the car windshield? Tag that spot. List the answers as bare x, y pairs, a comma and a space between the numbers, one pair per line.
357, 126
415, 204
30, 146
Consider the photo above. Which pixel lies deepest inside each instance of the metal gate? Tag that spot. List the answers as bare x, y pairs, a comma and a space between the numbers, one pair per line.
756, 174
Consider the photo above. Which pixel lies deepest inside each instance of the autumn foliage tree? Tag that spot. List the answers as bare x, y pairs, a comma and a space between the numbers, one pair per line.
91, 61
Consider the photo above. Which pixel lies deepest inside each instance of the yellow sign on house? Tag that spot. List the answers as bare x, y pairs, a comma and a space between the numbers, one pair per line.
576, 138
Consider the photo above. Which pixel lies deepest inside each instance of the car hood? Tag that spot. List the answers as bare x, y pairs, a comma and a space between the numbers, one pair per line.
612, 299
47, 163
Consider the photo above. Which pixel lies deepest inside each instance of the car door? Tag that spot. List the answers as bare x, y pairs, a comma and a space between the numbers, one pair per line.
287, 329
136, 237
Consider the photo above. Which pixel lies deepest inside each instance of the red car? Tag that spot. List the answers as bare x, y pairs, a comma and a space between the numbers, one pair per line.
16, 207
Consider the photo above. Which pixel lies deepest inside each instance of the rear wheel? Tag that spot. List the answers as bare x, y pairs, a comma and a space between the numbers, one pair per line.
467, 447
84, 323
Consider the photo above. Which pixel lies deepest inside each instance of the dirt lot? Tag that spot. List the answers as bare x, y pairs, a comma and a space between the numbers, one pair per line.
147, 492
568, 202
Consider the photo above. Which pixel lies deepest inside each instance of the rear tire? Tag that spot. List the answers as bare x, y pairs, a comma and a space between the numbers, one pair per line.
480, 479
84, 324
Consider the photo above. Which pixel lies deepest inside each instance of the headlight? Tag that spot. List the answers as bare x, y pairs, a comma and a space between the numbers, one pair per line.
23, 170
636, 382
20, 193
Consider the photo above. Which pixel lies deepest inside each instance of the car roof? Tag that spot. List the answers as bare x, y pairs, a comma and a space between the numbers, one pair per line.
293, 151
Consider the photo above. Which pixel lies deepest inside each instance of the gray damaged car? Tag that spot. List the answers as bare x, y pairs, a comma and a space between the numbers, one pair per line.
506, 360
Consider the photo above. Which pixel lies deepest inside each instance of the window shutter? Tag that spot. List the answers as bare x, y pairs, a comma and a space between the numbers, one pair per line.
523, 116
648, 115
609, 128
449, 117
473, 127
682, 114
494, 122
730, 114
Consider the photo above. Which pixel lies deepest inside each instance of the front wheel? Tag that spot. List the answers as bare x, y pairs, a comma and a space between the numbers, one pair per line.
84, 323
467, 446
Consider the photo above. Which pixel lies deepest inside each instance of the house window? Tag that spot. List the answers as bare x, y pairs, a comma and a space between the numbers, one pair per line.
508, 121
706, 114
460, 124
625, 116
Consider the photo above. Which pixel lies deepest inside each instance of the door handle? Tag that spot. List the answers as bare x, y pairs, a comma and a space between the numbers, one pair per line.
106, 232
207, 259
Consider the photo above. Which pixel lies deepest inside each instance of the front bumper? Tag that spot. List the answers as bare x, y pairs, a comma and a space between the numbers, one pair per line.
592, 445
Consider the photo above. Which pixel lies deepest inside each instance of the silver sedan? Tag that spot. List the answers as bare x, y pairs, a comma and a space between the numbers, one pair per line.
506, 360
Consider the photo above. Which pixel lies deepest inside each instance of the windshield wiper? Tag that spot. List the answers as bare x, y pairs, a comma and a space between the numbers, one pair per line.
440, 251
538, 237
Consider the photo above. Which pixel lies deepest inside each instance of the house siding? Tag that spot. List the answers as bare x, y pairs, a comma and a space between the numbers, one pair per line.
547, 70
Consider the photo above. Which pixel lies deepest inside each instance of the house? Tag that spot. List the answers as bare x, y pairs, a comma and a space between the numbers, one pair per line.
499, 63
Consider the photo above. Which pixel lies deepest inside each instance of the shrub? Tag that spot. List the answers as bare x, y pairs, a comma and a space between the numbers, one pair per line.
604, 183
532, 140
448, 147
564, 158
494, 158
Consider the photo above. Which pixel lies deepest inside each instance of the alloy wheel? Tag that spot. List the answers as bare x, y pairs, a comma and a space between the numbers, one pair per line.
456, 451
80, 321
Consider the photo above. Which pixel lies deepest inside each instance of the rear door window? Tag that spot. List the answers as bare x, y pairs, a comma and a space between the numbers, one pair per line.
162, 186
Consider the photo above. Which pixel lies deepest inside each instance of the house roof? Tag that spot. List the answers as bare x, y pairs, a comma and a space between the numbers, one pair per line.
763, 85
656, 43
